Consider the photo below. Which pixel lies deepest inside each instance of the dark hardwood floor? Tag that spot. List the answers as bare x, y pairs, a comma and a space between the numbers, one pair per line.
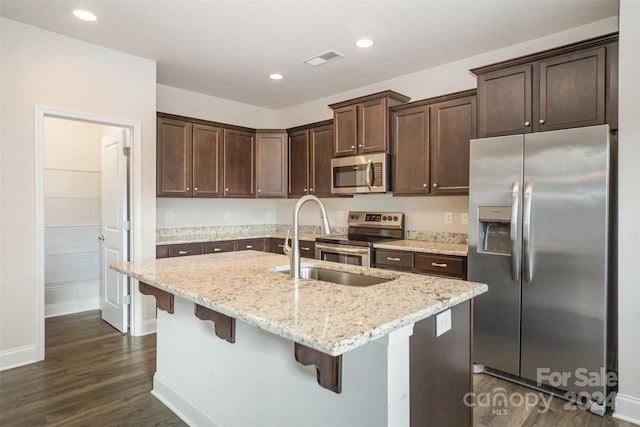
93, 375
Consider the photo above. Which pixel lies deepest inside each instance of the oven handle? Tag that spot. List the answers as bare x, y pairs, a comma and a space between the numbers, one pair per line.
343, 249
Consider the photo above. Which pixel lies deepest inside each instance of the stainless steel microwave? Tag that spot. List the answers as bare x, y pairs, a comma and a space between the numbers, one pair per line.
368, 173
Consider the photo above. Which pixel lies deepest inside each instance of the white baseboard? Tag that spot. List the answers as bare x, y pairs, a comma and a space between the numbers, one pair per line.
149, 326
16, 357
180, 404
627, 409
70, 307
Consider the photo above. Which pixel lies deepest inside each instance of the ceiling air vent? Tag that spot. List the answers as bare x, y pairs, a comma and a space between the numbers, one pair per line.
323, 58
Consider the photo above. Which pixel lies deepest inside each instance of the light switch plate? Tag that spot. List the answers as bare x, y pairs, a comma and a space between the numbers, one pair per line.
448, 217
443, 322
464, 218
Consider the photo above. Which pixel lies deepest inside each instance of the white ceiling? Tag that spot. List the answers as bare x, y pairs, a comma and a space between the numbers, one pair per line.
228, 48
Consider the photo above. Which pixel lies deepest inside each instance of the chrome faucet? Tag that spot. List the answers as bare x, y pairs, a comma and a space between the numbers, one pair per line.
293, 250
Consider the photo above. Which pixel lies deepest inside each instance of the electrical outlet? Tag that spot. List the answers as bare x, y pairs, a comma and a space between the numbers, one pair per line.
269, 214
464, 218
448, 217
443, 322
168, 216
227, 215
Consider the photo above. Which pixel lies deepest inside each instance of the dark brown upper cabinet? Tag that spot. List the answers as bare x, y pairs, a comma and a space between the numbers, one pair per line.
453, 125
238, 160
310, 153
271, 163
567, 87
187, 159
360, 125
431, 144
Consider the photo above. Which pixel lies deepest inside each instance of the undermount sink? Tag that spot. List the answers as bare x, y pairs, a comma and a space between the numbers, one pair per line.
339, 277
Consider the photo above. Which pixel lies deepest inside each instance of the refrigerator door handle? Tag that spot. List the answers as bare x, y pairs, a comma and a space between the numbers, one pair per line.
526, 232
515, 249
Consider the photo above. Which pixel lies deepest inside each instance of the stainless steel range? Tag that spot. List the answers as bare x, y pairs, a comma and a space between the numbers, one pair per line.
365, 229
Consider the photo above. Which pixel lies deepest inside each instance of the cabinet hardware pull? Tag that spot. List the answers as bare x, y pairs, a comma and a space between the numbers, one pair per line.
226, 189
281, 245
249, 246
435, 264
527, 124
195, 188
259, 190
424, 185
360, 145
541, 121
353, 147
392, 259
183, 252
188, 188
435, 185
311, 189
217, 250
304, 189
305, 248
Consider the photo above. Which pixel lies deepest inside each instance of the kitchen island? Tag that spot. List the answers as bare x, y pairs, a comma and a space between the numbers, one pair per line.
361, 344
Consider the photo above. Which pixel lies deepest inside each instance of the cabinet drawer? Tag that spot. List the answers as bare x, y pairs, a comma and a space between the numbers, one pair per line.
162, 251
394, 259
185, 249
276, 245
441, 265
307, 249
250, 244
217, 247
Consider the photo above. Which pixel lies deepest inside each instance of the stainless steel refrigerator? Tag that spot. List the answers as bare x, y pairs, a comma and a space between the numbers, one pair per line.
538, 236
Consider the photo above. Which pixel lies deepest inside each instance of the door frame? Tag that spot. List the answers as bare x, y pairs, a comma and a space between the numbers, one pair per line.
135, 207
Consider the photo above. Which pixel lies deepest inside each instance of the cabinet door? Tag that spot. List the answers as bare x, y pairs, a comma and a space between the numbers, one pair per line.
173, 158
504, 102
411, 151
271, 163
572, 90
453, 124
372, 126
321, 142
299, 163
239, 163
207, 146
345, 130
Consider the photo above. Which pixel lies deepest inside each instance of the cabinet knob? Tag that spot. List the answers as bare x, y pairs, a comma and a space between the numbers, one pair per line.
424, 185
195, 188
226, 189
353, 147
435, 185
188, 189
259, 190
527, 124
360, 145
541, 121
311, 189
304, 189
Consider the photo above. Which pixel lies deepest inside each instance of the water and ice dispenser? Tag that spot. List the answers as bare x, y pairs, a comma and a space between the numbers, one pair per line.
494, 229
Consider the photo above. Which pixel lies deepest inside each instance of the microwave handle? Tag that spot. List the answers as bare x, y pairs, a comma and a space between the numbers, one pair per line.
367, 174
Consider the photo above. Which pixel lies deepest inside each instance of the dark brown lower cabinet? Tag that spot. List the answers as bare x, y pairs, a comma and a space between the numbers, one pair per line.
250, 245
307, 247
440, 371
453, 266
218, 247
185, 249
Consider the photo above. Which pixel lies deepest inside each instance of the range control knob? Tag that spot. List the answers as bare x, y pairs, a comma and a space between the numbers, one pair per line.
384, 218
395, 217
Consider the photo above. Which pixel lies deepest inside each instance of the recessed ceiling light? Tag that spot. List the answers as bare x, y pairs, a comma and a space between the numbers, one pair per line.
84, 15
364, 43
276, 76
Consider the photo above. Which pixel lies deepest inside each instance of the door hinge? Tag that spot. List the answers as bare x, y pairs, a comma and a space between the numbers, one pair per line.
126, 151
127, 299
127, 225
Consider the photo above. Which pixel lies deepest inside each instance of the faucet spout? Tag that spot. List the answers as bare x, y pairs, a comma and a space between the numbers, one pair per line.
294, 251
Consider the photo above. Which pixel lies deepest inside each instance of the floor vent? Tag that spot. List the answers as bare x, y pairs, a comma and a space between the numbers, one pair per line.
323, 58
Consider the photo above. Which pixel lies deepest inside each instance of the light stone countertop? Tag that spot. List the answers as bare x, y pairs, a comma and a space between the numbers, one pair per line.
231, 236
328, 317
427, 247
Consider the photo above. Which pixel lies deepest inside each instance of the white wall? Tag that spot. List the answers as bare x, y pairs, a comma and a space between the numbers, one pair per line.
43, 68
628, 400
177, 213
72, 177
191, 104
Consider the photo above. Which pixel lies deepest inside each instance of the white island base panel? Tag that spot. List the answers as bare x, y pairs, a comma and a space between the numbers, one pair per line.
256, 381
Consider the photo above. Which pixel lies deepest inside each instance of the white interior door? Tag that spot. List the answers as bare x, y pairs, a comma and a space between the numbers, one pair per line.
114, 287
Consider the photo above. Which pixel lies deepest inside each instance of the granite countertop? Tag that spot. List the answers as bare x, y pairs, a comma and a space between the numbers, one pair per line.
428, 247
328, 317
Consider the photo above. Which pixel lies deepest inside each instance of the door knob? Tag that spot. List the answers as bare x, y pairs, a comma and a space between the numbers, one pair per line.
101, 237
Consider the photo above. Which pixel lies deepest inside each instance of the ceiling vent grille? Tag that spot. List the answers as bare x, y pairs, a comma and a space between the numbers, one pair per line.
323, 58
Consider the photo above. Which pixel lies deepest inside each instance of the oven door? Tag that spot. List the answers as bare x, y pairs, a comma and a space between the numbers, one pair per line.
344, 254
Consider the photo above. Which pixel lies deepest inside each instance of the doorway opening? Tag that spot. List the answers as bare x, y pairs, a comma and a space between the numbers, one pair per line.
85, 193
